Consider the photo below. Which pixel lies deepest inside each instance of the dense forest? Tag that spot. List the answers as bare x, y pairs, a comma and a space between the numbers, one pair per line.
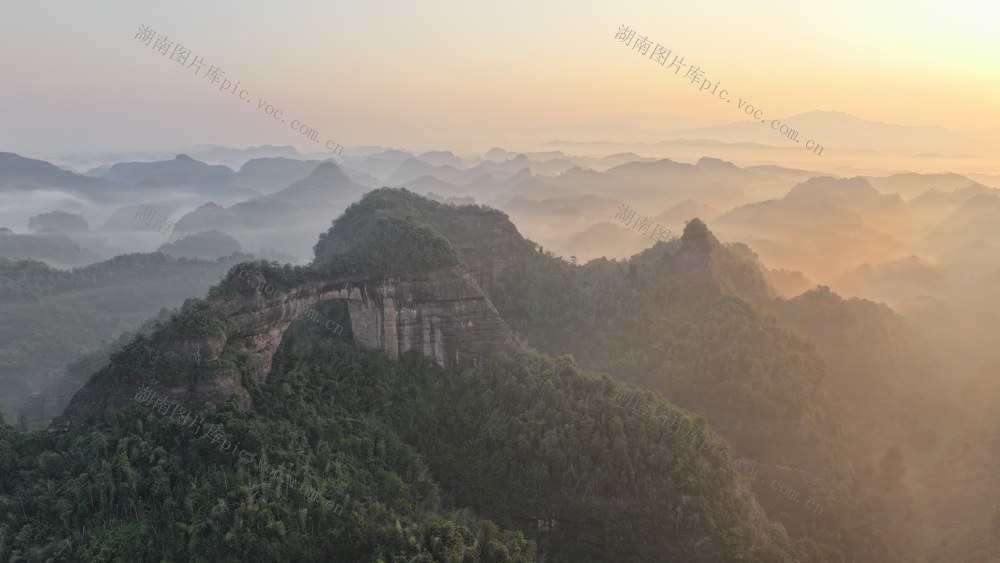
696, 321
408, 460
671, 407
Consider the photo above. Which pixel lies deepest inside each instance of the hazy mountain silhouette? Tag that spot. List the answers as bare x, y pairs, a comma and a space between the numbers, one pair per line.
204, 245
46, 245
835, 129
273, 173
182, 171
59, 220
327, 183
18, 172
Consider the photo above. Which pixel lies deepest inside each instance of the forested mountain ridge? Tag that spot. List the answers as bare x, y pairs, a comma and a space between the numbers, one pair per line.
588, 471
383, 453
485, 239
690, 319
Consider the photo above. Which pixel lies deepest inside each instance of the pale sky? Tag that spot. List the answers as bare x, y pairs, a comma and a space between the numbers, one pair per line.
467, 76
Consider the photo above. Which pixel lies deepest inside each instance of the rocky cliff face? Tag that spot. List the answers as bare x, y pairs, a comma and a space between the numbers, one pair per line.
215, 346
441, 313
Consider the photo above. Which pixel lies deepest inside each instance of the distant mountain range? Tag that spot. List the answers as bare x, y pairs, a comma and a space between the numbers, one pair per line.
839, 130
846, 139
566, 200
20, 173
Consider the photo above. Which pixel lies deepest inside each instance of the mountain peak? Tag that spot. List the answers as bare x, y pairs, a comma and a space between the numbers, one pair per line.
716, 163
824, 188
326, 167
484, 237
697, 237
326, 182
703, 261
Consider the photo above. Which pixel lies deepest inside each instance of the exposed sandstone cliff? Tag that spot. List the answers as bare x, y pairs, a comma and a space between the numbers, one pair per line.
442, 313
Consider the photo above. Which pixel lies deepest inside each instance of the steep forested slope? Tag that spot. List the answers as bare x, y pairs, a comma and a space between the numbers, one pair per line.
377, 459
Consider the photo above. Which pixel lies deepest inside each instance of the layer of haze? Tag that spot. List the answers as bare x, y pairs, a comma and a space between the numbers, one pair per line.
469, 76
